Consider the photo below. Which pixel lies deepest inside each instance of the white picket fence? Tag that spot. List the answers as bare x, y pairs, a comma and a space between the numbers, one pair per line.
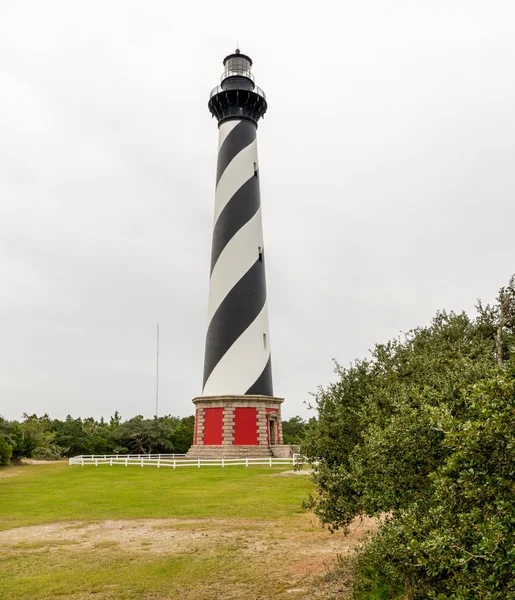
177, 460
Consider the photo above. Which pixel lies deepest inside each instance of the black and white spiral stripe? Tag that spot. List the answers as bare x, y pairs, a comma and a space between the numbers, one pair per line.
237, 359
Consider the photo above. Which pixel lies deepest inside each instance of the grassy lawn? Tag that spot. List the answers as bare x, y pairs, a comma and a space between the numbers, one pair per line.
42, 493
131, 532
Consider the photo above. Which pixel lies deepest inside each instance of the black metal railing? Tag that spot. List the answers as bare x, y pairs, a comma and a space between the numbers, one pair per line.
218, 89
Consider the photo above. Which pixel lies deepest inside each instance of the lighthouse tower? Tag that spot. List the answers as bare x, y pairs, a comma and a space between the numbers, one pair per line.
237, 413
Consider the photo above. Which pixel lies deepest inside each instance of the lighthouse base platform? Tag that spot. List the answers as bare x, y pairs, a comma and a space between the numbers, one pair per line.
238, 427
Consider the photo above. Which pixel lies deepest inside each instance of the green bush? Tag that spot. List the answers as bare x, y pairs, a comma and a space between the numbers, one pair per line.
459, 541
374, 441
295, 430
6, 451
49, 453
422, 434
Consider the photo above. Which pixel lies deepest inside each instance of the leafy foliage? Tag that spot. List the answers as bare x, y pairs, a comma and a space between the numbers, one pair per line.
459, 540
45, 438
420, 433
6, 451
39, 438
295, 429
7, 441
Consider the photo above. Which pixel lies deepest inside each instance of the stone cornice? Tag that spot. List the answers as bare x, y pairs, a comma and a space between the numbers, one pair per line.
237, 401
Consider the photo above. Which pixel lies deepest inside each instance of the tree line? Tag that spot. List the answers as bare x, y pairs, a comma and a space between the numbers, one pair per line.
47, 439
421, 435
40, 437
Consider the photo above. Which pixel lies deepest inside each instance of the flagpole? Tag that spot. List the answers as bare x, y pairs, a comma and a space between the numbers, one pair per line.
157, 373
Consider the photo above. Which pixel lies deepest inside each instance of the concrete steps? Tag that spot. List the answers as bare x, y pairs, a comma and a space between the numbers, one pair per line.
229, 452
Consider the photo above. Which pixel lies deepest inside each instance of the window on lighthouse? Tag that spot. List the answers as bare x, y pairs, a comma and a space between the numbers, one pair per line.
255, 169
260, 254
264, 341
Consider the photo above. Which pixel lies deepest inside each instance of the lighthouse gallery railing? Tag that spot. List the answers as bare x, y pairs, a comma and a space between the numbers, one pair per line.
228, 88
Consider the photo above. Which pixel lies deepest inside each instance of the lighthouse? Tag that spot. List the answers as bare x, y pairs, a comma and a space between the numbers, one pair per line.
237, 414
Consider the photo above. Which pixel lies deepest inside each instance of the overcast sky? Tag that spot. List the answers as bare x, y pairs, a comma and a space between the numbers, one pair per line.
387, 171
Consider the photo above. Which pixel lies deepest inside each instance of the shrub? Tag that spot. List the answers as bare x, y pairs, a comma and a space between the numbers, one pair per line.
422, 432
6, 451
49, 453
459, 541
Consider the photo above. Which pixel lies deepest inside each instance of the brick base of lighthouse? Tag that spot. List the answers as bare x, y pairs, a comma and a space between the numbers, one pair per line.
237, 427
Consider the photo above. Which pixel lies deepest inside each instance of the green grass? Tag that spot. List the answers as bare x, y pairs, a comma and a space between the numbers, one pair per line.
118, 575
237, 498
56, 492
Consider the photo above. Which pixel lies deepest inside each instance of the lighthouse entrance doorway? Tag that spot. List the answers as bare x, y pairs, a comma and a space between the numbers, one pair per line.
272, 432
